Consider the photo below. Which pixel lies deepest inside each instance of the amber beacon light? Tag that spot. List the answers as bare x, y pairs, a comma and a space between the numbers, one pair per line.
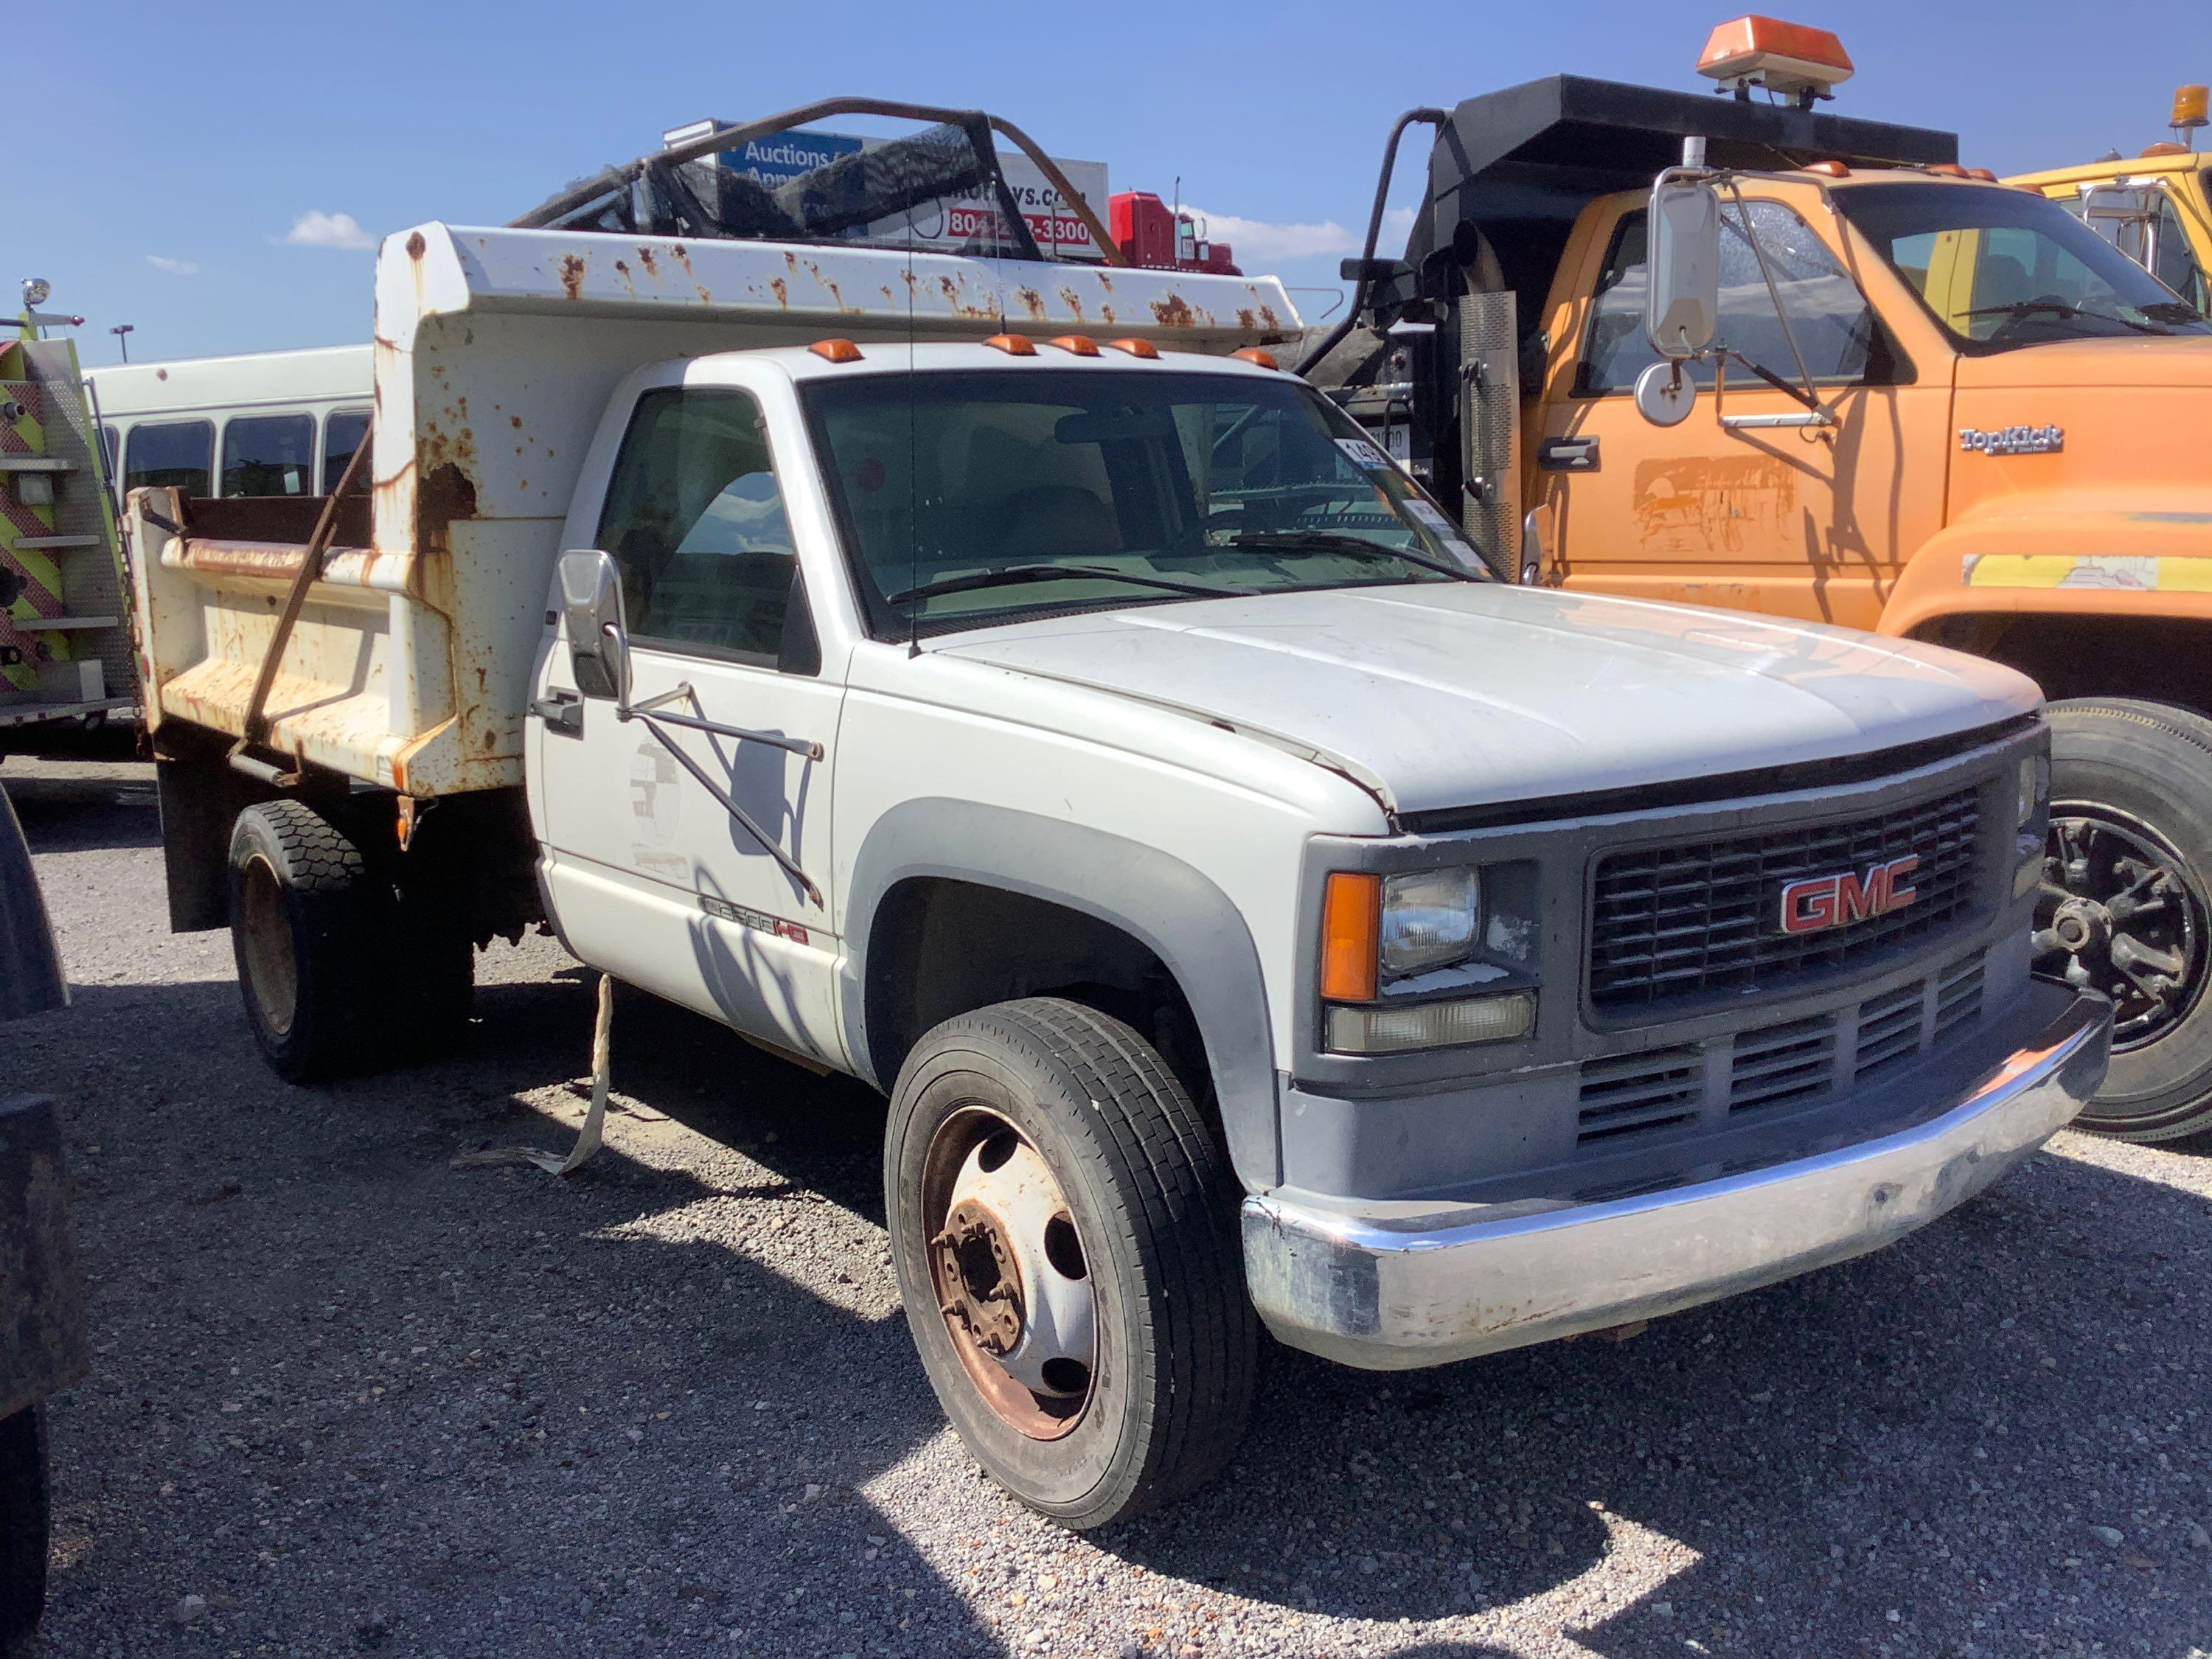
1791, 60
2189, 108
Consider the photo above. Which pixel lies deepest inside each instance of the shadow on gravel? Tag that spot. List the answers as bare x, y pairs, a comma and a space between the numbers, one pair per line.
480, 1411
1905, 1450
67, 815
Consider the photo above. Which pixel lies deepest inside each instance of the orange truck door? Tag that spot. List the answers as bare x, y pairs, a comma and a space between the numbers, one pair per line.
1793, 521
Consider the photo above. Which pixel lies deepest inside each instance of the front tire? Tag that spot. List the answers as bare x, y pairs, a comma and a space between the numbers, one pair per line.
2126, 907
1064, 1232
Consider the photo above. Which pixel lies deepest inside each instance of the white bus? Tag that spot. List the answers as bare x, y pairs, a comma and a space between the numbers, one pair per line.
265, 423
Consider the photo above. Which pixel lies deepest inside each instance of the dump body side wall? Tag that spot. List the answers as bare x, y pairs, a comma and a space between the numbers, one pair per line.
495, 353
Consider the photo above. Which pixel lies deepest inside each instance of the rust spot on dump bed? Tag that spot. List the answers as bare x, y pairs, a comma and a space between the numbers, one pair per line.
1032, 301
446, 493
1074, 301
782, 294
416, 246
621, 271
572, 276
646, 257
1174, 312
675, 252
1267, 316
1245, 319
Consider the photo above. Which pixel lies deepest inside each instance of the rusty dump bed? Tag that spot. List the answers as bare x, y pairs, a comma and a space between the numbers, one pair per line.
496, 350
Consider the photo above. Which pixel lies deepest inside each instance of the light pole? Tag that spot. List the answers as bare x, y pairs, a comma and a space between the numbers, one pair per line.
122, 331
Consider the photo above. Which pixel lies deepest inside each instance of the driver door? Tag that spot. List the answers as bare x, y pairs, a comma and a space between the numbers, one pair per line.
1812, 523
651, 877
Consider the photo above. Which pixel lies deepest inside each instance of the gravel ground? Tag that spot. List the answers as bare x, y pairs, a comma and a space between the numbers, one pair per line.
351, 1399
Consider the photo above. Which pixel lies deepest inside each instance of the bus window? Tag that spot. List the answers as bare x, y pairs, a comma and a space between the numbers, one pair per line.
342, 431
269, 455
169, 455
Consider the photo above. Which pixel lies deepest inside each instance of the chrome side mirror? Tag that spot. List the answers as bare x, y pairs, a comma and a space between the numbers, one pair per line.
1682, 311
591, 614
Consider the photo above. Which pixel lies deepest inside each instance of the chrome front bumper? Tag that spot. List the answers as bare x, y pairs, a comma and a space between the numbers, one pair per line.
1387, 1290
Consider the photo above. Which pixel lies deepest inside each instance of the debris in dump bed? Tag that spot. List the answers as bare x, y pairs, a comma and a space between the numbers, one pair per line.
587, 1138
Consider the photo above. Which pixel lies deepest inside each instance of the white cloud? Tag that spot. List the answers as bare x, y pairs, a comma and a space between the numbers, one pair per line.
1258, 242
175, 267
313, 229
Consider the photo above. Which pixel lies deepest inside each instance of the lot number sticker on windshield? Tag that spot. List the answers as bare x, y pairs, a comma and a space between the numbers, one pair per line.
1364, 456
1445, 530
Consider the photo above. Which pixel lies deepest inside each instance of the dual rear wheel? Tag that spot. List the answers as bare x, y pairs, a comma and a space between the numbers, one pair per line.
337, 967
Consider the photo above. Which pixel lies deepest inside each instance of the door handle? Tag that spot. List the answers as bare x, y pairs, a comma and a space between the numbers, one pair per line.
1567, 455
562, 711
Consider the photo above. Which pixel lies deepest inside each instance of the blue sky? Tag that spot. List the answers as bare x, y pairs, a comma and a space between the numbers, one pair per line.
205, 138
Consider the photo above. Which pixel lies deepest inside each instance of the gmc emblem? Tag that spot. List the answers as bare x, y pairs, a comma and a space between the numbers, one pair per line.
1820, 902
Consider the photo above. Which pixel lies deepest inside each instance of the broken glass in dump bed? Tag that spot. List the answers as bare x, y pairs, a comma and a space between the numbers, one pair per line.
942, 179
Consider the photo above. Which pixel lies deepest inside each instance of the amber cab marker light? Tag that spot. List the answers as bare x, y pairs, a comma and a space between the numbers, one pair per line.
1014, 345
1828, 169
1079, 345
1135, 348
1351, 936
836, 351
1946, 169
1253, 354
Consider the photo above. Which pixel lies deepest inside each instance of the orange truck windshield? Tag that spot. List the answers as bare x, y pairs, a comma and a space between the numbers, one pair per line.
2001, 268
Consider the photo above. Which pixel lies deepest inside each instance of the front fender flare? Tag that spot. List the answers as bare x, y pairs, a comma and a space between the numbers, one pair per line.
1174, 910
2077, 562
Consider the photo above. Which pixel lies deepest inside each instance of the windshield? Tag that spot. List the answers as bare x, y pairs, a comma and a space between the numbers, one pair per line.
2002, 268
969, 498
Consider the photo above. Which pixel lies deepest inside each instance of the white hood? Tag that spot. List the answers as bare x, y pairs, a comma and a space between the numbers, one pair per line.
1470, 696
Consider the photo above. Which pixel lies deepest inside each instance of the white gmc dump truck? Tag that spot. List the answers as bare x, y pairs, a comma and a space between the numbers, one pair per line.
996, 681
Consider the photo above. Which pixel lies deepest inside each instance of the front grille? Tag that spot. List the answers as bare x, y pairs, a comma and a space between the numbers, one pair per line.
1788, 1065
1796, 1061
1640, 1091
1675, 922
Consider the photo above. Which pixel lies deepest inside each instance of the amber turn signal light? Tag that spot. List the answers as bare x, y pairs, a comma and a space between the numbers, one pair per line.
836, 351
1351, 936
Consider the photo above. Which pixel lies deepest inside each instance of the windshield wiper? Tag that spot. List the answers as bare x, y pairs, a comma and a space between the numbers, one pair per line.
2060, 309
1317, 541
1011, 575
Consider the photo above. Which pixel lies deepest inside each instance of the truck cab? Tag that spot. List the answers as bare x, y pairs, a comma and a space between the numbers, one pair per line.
2156, 208
1933, 406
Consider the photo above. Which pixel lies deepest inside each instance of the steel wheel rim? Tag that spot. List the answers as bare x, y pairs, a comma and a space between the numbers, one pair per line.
2117, 913
1010, 1273
271, 976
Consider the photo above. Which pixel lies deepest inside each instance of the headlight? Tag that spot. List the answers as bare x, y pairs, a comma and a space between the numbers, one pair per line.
1431, 919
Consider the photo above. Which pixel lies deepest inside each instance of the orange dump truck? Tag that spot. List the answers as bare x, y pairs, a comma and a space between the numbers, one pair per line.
1752, 355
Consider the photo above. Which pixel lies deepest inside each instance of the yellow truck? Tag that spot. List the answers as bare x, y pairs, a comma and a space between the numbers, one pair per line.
2155, 207
1747, 352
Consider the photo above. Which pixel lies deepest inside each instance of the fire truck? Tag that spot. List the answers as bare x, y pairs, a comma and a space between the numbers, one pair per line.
66, 671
